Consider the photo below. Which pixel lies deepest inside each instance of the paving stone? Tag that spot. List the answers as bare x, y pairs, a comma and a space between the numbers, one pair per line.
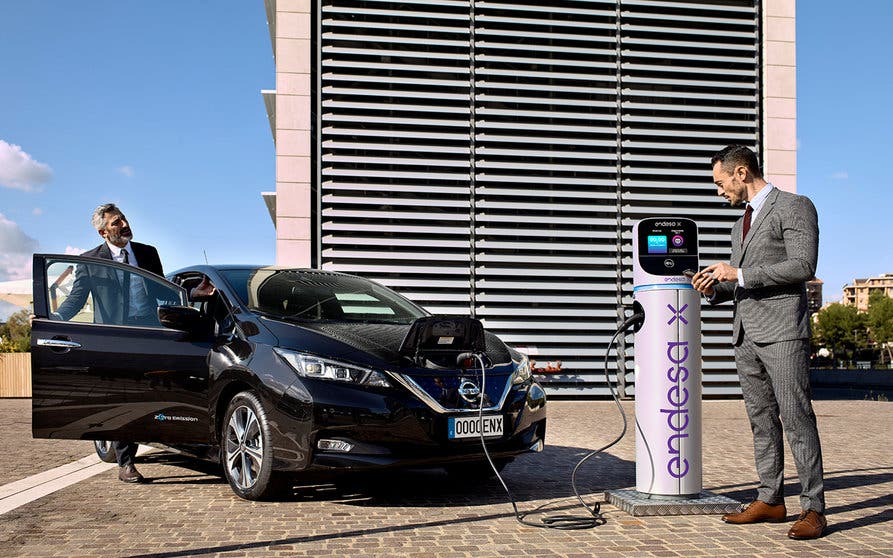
188, 510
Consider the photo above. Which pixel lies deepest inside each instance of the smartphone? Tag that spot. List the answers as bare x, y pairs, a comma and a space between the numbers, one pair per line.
689, 273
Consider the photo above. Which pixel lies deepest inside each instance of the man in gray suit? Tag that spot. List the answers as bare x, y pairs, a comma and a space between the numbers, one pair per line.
774, 253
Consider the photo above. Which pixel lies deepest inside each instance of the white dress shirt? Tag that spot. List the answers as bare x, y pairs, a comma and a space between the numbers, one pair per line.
139, 299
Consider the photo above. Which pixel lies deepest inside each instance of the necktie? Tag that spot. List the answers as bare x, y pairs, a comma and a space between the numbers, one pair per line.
127, 256
747, 214
126, 287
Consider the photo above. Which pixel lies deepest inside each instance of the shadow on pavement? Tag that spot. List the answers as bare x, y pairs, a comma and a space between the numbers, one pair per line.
209, 472
834, 480
273, 543
528, 477
531, 477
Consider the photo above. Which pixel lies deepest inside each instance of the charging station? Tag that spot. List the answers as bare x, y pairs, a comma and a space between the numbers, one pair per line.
667, 375
668, 359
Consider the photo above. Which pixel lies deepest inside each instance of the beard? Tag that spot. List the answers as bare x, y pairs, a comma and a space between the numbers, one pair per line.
121, 238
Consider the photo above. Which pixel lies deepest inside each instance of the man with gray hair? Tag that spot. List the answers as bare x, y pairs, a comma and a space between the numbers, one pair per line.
112, 225
140, 308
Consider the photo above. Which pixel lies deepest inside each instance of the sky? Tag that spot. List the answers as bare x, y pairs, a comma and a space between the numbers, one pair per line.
156, 106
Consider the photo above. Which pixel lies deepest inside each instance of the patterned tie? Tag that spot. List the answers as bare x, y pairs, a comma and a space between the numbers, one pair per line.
747, 213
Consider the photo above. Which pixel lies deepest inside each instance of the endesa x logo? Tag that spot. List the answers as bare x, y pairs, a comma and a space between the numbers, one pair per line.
677, 314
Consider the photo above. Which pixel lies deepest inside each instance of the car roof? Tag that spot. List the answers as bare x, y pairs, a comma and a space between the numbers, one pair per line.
205, 268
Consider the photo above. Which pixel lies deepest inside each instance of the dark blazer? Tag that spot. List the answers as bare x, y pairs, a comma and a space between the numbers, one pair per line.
105, 286
778, 257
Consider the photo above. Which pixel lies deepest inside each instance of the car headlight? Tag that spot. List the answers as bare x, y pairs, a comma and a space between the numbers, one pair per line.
311, 366
522, 370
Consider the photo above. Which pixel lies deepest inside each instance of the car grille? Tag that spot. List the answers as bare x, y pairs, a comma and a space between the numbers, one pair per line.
443, 392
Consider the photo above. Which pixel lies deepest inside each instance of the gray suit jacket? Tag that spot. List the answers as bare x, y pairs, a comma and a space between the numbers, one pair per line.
778, 257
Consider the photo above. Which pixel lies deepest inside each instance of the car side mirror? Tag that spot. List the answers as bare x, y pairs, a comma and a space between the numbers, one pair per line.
183, 318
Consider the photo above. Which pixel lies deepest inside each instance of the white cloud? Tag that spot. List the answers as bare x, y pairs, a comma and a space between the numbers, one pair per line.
37, 211
19, 171
72, 251
16, 249
126, 170
841, 175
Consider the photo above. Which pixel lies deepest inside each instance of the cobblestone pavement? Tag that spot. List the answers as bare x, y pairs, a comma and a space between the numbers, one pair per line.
188, 510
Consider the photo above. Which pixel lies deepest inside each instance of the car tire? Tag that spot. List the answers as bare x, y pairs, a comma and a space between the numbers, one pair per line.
475, 471
105, 450
245, 448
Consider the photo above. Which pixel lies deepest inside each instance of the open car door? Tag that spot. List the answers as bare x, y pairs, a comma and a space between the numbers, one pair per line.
102, 365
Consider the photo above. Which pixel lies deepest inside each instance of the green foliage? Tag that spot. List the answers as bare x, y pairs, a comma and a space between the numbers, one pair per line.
880, 321
15, 334
841, 329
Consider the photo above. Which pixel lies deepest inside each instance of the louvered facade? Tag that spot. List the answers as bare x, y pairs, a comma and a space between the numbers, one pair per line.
491, 158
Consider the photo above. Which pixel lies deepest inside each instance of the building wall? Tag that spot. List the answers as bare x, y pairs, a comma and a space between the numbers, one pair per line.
859, 293
780, 93
291, 29
814, 298
481, 161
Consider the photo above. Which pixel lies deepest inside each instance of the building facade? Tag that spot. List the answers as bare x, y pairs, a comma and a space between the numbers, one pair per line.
814, 298
859, 293
491, 158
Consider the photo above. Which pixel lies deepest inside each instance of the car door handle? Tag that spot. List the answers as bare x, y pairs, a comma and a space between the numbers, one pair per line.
58, 343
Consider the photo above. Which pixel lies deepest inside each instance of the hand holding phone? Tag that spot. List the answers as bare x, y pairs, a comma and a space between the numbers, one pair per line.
704, 282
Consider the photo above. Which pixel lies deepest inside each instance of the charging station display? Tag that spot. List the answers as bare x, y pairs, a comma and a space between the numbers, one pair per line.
668, 247
667, 359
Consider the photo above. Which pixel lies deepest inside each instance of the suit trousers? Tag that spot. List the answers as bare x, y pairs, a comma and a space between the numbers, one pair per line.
775, 383
125, 452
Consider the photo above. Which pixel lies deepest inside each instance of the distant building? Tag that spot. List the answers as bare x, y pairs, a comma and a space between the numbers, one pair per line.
860, 291
814, 294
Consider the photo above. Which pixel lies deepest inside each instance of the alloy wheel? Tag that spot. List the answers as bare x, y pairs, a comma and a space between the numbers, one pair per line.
244, 447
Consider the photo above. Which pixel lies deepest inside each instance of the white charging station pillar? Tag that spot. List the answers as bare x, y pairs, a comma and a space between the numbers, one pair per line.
668, 359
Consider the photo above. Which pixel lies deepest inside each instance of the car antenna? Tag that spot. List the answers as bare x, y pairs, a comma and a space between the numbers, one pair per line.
206, 256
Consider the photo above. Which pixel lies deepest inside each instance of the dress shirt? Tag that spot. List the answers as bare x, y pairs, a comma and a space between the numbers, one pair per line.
757, 204
139, 299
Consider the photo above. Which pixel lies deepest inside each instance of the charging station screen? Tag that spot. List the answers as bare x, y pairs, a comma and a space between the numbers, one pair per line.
667, 246
657, 244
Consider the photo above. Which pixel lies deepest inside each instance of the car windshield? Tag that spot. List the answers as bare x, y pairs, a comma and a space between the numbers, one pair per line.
318, 296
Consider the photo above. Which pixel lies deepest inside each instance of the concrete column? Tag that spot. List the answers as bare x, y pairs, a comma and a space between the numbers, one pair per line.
780, 93
293, 146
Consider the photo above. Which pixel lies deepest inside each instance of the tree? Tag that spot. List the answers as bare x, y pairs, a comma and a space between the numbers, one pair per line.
840, 328
15, 334
880, 322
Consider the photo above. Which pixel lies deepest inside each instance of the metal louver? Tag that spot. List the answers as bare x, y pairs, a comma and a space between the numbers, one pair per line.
490, 158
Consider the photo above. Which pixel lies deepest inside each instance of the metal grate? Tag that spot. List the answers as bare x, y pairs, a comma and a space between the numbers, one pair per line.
491, 158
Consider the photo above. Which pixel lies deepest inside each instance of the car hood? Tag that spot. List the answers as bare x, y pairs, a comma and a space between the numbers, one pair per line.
380, 341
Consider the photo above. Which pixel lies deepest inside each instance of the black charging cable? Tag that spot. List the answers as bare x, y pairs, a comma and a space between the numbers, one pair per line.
562, 521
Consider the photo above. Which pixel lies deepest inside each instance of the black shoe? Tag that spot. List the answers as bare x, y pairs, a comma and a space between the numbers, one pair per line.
128, 473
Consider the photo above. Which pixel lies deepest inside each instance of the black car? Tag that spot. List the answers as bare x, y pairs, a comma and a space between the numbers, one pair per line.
281, 370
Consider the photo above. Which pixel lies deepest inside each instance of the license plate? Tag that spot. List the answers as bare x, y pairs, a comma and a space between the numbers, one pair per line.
470, 427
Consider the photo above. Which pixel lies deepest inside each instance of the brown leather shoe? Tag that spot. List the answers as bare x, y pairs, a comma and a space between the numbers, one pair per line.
810, 525
757, 512
128, 473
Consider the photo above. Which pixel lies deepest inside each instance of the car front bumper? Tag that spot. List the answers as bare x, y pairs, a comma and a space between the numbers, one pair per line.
393, 428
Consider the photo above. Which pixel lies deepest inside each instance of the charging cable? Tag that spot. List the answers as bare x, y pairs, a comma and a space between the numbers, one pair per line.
561, 522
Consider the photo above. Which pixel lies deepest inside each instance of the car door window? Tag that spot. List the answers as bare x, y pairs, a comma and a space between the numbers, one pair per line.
99, 292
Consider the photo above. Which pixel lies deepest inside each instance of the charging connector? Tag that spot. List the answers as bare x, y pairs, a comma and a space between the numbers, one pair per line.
561, 522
